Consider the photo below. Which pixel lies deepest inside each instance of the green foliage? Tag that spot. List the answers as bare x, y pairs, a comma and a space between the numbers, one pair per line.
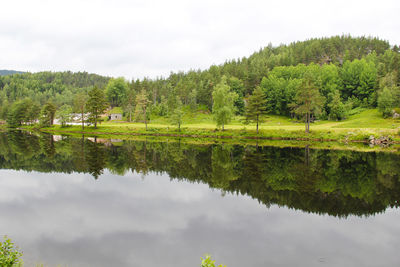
42, 87
337, 110
129, 104
177, 115
385, 102
223, 103
64, 114
357, 67
47, 114
96, 105
9, 254
116, 91
142, 104
256, 105
17, 114
308, 101
208, 262
237, 86
80, 101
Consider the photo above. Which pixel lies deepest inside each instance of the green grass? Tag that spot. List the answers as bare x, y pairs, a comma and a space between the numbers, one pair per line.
357, 127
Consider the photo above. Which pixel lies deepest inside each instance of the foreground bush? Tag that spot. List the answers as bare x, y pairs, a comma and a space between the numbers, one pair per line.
9, 254
208, 262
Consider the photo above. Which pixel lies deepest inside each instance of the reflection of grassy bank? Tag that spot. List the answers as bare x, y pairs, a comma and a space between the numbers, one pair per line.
152, 135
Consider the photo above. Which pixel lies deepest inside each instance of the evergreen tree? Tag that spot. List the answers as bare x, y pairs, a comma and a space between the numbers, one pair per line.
96, 104
223, 103
17, 113
308, 101
129, 104
33, 113
47, 114
256, 106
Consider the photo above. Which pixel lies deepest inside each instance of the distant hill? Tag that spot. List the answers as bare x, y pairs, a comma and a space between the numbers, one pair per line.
9, 72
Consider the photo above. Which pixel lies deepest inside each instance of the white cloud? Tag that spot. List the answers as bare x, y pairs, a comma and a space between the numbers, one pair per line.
152, 38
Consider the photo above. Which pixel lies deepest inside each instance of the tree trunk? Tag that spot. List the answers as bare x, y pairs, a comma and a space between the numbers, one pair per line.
83, 121
257, 123
95, 122
222, 127
145, 119
305, 121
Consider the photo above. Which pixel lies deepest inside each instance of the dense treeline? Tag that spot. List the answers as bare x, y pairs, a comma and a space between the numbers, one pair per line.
322, 181
347, 72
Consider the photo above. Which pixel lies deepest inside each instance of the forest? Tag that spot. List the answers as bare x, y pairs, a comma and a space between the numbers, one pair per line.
321, 78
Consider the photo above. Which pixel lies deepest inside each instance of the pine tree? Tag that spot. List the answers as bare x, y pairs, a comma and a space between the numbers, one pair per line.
47, 114
308, 101
96, 104
256, 106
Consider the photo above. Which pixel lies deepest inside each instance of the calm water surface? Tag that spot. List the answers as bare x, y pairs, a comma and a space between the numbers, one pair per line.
87, 202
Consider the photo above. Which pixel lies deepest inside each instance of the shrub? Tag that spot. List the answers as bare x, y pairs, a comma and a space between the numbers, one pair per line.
208, 262
9, 253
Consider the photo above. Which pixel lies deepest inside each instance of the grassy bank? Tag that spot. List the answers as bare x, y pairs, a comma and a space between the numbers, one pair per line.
358, 127
199, 128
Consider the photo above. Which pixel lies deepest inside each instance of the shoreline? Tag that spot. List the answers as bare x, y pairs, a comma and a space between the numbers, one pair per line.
282, 138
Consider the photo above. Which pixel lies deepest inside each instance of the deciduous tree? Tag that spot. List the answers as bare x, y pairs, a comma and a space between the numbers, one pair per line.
116, 91
178, 113
142, 104
223, 103
80, 106
64, 114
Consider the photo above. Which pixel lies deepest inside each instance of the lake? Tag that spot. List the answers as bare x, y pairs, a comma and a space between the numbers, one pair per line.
96, 202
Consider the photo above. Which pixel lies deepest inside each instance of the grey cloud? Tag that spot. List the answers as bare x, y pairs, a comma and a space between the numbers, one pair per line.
152, 38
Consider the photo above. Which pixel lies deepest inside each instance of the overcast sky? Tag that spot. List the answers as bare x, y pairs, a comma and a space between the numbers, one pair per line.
138, 39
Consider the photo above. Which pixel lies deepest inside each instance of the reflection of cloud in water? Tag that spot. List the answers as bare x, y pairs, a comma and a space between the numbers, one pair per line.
127, 221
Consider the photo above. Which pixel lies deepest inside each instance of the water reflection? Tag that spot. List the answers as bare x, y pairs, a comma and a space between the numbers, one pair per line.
149, 203
332, 182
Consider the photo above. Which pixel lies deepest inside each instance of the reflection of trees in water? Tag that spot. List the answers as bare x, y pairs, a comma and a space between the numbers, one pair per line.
321, 181
95, 158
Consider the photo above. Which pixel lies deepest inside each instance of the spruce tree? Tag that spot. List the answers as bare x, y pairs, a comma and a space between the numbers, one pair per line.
96, 104
308, 101
256, 106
